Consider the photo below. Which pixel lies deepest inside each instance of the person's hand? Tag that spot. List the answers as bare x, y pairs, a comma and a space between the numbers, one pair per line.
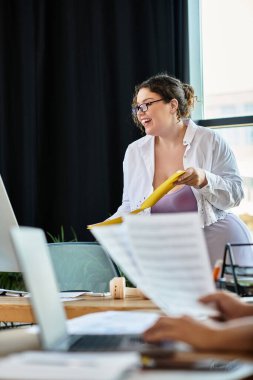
193, 177
209, 335
229, 305
185, 329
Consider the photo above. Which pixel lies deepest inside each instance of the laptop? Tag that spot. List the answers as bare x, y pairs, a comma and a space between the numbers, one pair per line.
8, 260
34, 258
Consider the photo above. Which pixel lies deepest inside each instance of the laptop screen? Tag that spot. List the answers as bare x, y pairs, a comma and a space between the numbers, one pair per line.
8, 261
35, 262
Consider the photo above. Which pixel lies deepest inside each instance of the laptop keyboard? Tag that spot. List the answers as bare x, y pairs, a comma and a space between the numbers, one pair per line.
101, 342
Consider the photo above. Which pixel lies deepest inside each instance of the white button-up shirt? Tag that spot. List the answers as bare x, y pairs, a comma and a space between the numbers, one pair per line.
205, 149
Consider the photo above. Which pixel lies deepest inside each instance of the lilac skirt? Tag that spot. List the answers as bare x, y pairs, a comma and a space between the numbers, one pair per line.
229, 230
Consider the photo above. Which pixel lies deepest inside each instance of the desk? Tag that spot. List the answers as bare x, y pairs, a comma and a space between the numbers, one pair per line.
18, 309
19, 339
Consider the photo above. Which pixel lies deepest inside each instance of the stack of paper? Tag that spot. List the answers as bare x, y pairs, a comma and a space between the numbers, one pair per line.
112, 322
67, 366
165, 255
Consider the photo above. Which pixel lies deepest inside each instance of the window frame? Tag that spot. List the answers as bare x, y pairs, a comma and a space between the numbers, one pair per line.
196, 74
226, 122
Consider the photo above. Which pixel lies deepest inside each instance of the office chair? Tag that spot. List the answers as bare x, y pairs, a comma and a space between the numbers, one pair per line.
82, 266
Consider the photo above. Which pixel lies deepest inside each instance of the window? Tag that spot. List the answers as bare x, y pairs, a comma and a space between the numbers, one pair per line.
240, 140
221, 62
227, 30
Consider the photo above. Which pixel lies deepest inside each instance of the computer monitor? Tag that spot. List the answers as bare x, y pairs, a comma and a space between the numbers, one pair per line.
8, 261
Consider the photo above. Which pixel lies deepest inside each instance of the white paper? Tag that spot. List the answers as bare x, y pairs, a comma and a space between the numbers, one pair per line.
71, 296
62, 298
166, 256
12, 293
67, 366
171, 250
112, 322
74, 294
109, 322
115, 241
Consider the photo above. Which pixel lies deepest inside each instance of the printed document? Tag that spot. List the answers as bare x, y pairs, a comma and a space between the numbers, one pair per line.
166, 255
115, 241
112, 322
109, 322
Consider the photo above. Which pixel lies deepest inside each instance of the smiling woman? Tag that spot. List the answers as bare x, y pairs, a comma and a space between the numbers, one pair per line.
211, 183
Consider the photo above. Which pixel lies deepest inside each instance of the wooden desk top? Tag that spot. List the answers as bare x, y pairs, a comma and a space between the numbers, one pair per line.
18, 309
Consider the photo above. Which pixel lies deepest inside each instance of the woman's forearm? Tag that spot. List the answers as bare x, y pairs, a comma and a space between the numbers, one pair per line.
236, 335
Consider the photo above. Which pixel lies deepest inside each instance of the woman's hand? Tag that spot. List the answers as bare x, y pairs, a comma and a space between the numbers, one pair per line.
208, 335
185, 329
229, 305
193, 177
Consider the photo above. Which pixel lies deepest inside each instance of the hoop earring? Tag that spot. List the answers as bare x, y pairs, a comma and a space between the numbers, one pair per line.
178, 116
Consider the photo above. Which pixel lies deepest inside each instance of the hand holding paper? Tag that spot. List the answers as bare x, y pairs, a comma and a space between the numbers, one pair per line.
163, 189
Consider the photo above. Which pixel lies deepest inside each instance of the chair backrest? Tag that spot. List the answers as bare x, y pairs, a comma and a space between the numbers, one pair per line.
82, 266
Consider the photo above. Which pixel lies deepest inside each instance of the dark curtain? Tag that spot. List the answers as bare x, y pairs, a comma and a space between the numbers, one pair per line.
67, 74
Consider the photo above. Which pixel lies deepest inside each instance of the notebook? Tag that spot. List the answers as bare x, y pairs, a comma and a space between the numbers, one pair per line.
8, 261
34, 259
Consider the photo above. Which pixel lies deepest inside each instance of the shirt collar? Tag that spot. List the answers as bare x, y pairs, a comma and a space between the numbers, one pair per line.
190, 131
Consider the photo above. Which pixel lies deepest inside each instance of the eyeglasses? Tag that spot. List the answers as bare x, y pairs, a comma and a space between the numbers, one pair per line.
144, 106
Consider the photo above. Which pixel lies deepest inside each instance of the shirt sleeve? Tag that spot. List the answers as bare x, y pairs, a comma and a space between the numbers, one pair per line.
224, 189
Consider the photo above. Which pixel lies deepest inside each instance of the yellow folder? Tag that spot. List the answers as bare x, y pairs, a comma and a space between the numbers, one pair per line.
163, 189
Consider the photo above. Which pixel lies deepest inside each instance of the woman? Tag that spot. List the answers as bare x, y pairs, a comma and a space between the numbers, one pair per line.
211, 183
235, 333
